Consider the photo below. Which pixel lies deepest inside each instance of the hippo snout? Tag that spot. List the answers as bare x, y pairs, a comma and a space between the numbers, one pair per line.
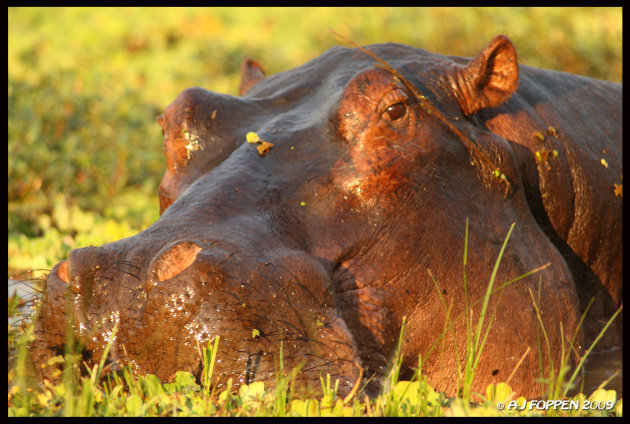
165, 306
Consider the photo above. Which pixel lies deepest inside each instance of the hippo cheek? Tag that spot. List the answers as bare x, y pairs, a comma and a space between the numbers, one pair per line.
285, 303
256, 307
310, 304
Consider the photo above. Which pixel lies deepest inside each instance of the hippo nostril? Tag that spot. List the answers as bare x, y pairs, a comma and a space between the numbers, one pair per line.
81, 267
174, 258
62, 272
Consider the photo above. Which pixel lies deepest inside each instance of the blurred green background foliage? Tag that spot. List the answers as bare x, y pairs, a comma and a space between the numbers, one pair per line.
85, 86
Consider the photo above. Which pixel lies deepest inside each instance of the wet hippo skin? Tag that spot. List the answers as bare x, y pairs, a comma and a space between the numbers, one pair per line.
325, 241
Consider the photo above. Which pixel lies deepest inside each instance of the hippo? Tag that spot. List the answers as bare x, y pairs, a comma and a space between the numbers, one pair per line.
303, 220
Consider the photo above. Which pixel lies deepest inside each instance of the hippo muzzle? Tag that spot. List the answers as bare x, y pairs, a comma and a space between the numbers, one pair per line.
168, 304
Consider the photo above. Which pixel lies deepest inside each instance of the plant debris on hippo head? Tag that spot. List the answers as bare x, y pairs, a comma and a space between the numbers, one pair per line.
353, 215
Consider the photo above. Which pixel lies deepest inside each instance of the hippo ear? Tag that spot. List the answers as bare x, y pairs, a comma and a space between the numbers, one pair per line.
251, 74
489, 79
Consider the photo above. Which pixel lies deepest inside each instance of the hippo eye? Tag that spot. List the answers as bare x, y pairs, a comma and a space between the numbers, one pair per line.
396, 111
394, 105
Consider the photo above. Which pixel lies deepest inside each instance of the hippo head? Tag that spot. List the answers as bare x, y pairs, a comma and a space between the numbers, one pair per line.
351, 216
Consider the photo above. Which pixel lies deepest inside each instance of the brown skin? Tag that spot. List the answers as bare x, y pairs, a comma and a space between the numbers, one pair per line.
327, 241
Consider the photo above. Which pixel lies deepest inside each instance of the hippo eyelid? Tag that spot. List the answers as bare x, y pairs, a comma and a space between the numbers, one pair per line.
392, 98
398, 95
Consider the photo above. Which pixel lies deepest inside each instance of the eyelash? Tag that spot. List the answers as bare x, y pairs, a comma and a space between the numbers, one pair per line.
394, 96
